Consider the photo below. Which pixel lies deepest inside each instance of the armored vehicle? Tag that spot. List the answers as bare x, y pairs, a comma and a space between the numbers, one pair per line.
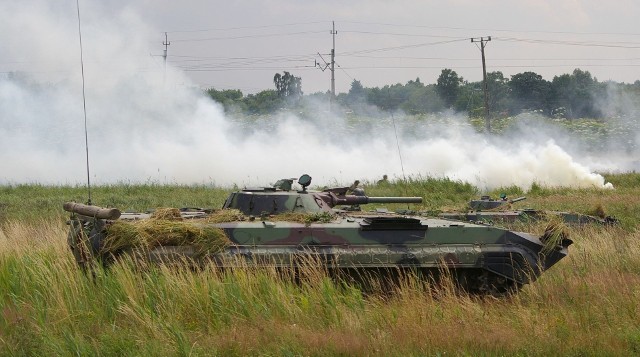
488, 210
281, 227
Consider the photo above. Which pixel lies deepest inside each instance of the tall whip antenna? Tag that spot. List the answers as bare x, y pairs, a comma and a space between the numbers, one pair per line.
84, 105
395, 131
393, 119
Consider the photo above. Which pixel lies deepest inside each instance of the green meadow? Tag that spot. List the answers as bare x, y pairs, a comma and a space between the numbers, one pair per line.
587, 305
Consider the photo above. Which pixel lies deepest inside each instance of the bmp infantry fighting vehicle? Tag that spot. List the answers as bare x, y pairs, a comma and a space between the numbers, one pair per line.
488, 210
263, 228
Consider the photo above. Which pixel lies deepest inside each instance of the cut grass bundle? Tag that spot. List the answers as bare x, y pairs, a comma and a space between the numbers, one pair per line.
555, 232
598, 211
167, 213
233, 215
147, 234
306, 218
225, 215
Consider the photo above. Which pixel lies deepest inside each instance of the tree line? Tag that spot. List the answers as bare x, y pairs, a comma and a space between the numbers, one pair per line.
573, 95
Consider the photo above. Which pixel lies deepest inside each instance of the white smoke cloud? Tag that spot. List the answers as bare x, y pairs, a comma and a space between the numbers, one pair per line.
145, 125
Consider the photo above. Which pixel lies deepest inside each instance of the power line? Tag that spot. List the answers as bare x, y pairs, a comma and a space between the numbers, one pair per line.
343, 68
497, 59
345, 72
570, 43
247, 36
383, 49
244, 68
399, 34
248, 27
404, 25
305, 57
244, 57
494, 29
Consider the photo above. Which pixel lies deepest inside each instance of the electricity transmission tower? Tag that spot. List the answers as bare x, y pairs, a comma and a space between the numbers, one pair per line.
485, 88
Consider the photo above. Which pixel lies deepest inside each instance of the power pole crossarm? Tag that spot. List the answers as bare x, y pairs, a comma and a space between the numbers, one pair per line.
483, 41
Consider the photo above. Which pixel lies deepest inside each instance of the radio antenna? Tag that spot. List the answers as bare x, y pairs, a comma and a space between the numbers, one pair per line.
395, 131
84, 105
393, 119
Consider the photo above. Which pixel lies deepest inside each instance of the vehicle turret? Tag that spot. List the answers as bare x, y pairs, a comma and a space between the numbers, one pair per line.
281, 198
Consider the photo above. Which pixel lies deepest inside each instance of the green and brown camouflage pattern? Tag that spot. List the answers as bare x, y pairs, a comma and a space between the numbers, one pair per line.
496, 211
487, 258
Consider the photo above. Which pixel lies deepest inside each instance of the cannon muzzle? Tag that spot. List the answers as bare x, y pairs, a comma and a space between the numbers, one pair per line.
92, 211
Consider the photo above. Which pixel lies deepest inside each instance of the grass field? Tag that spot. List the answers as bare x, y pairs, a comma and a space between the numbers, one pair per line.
587, 305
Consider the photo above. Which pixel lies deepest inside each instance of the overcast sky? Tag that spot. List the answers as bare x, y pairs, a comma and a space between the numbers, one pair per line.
147, 124
242, 44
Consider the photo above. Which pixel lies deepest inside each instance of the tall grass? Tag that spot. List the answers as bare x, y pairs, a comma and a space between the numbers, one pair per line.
588, 304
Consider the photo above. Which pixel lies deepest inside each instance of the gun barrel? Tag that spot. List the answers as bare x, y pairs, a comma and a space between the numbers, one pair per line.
395, 199
360, 200
92, 211
518, 199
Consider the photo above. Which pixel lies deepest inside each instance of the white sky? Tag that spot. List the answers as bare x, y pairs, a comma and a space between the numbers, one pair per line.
242, 44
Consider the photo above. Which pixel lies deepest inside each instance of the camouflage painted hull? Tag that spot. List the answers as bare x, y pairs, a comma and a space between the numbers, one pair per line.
484, 258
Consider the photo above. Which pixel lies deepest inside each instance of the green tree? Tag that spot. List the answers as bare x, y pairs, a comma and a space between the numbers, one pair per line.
529, 91
575, 92
470, 99
498, 88
225, 96
357, 93
263, 102
231, 99
422, 99
288, 86
448, 86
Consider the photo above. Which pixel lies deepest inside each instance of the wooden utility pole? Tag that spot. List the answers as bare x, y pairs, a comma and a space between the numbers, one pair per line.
485, 88
166, 44
333, 63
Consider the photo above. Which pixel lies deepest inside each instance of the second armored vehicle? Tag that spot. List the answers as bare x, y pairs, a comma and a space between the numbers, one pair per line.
488, 210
